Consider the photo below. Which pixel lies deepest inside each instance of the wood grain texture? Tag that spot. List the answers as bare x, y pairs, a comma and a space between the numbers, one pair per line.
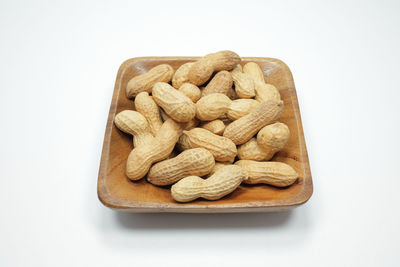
116, 191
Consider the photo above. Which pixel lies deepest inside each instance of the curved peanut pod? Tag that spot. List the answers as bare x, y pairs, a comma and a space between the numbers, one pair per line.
196, 161
149, 109
181, 75
178, 106
268, 172
212, 106
273, 138
222, 148
201, 71
252, 151
145, 82
191, 91
241, 130
244, 84
134, 123
142, 157
224, 181
221, 83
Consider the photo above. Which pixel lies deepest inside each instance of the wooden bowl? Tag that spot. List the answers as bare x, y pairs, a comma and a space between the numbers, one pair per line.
116, 191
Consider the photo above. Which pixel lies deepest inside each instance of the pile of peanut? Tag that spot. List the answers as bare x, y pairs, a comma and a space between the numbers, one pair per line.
189, 134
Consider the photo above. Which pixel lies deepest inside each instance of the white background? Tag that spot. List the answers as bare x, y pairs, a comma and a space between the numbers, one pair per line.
58, 63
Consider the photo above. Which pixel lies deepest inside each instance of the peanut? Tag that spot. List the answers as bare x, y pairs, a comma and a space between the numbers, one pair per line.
183, 143
196, 161
263, 90
159, 148
217, 166
241, 130
221, 183
181, 75
222, 148
244, 84
149, 109
252, 151
178, 106
145, 82
191, 91
273, 138
241, 107
272, 173
221, 83
212, 106
134, 123
270, 140
215, 126
201, 71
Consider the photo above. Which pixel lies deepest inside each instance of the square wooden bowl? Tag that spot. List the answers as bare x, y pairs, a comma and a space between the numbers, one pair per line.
116, 191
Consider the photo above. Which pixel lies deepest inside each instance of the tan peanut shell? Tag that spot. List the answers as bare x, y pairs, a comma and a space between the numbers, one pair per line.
145, 82
149, 109
220, 83
178, 106
273, 137
264, 91
134, 123
215, 126
143, 156
222, 148
270, 140
241, 130
241, 107
232, 94
183, 143
181, 75
244, 84
268, 172
212, 106
191, 91
221, 183
196, 161
201, 71
217, 166
252, 151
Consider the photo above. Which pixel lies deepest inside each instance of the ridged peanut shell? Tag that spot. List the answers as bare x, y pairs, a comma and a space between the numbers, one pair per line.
196, 161
178, 106
241, 130
201, 71
134, 123
181, 75
254, 71
149, 109
215, 126
191, 91
146, 81
252, 151
220, 83
143, 156
241, 107
212, 106
273, 137
273, 173
266, 91
222, 148
244, 84
221, 183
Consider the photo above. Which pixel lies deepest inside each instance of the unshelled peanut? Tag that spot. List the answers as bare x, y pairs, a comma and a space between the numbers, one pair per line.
191, 91
223, 149
273, 173
178, 106
211, 107
241, 130
181, 75
149, 109
196, 161
220, 83
241, 107
222, 182
159, 148
145, 82
201, 71
134, 123
244, 84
